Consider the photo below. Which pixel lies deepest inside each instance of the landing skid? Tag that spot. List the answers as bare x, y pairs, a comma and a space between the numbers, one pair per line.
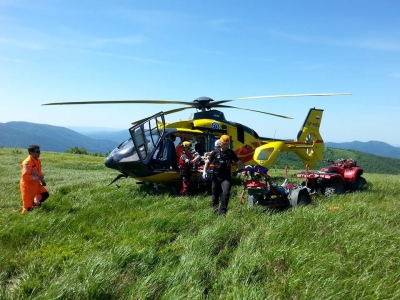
119, 176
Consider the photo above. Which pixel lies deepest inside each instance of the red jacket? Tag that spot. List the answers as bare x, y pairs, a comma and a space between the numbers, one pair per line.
185, 162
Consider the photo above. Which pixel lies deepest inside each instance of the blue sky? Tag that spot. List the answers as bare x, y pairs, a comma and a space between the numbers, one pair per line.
54, 51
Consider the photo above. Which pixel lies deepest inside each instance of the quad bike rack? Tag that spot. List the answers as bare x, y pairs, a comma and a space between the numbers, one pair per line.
261, 191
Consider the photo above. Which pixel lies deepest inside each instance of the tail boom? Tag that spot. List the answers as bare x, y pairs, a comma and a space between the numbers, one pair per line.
308, 146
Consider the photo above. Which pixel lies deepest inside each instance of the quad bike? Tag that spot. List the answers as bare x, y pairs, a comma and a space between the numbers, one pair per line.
342, 176
261, 191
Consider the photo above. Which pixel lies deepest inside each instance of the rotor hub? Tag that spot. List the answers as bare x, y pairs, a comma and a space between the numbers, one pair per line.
203, 103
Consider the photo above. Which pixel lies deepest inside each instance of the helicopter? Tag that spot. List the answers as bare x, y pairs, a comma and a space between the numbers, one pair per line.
150, 154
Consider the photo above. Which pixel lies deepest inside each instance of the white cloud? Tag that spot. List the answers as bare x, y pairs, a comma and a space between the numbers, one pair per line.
13, 60
296, 38
221, 24
371, 43
128, 40
127, 57
147, 18
395, 75
21, 44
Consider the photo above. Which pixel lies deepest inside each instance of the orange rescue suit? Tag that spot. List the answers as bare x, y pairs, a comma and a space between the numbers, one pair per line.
30, 186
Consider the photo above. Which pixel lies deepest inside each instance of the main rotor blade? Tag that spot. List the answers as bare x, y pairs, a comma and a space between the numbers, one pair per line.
123, 102
262, 112
171, 111
191, 104
165, 113
294, 95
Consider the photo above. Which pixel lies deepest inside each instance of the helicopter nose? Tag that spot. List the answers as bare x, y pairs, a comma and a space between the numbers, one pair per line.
110, 163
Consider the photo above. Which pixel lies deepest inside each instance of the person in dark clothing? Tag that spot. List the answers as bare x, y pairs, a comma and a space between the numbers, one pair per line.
221, 180
165, 154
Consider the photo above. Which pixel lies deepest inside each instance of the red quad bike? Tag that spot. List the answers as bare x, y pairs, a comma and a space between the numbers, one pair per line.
263, 192
342, 176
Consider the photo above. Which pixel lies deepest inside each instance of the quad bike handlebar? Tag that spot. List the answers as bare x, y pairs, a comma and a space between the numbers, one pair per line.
329, 161
344, 163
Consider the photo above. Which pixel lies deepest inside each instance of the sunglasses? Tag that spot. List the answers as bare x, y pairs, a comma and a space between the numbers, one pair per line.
37, 151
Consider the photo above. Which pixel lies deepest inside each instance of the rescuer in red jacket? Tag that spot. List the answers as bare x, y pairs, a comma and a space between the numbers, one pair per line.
187, 161
32, 182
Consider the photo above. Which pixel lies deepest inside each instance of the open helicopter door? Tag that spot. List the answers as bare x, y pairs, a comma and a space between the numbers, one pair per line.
266, 154
146, 136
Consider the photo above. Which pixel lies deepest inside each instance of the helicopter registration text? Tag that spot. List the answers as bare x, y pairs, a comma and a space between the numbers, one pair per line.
313, 124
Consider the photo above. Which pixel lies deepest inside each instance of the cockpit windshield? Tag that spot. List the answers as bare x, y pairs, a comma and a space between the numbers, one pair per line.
125, 143
146, 135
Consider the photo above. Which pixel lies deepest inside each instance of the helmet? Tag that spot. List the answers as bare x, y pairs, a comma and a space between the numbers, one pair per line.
186, 144
224, 139
217, 143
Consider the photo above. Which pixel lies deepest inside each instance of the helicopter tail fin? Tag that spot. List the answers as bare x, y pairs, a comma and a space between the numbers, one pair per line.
311, 126
310, 143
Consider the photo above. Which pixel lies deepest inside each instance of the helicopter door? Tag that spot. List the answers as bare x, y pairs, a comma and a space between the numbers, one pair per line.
266, 154
147, 135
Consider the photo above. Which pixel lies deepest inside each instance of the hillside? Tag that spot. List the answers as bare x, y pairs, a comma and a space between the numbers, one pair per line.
59, 139
115, 136
372, 147
369, 162
50, 138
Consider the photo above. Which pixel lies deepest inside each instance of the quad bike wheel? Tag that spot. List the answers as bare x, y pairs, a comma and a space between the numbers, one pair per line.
360, 183
334, 189
299, 197
303, 200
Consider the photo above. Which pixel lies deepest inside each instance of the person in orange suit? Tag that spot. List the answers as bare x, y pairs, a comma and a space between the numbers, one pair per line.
32, 182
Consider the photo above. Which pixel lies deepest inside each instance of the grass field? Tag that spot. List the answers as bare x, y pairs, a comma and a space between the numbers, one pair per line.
91, 241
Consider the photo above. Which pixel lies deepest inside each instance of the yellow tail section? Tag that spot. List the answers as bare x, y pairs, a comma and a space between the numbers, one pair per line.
309, 145
310, 138
265, 155
311, 126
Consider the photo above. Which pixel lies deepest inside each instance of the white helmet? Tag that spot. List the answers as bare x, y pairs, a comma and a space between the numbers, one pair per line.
217, 143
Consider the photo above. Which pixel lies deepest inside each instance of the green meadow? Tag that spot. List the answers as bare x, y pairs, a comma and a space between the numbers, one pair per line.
93, 241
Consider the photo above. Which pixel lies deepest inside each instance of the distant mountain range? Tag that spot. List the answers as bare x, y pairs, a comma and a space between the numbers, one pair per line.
51, 138
59, 139
115, 136
372, 147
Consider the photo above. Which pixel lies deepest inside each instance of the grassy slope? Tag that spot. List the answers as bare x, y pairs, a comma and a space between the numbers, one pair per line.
90, 241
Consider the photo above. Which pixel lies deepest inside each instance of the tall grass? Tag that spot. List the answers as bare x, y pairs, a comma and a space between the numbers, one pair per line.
91, 241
